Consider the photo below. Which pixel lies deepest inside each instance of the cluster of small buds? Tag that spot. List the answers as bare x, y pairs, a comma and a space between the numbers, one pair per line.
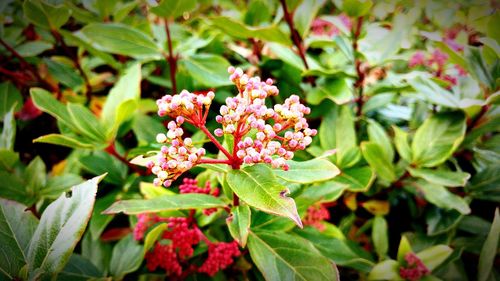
177, 158
248, 111
220, 256
415, 268
186, 104
183, 238
436, 62
315, 215
191, 186
163, 256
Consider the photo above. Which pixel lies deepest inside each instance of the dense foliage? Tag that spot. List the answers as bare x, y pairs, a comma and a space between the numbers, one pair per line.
249, 140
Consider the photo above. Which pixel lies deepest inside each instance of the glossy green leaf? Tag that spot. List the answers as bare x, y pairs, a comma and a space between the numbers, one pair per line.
99, 222
314, 170
305, 14
442, 197
434, 256
377, 134
380, 236
9, 96
47, 103
126, 88
65, 74
437, 138
97, 251
375, 156
239, 224
33, 48
45, 15
58, 184
441, 177
86, 122
337, 90
386, 270
127, 257
207, 69
489, 250
357, 179
280, 256
340, 251
79, 268
121, 39
13, 187
433, 93
8, 135
478, 67
153, 235
166, 203
173, 9
404, 248
356, 8
8, 159
64, 140
16, 228
258, 187
402, 144
100, 162
35, 176
327, 191
61, 227
485, 185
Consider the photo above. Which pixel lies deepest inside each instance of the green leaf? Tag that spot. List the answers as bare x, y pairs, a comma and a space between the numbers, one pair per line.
357, 179
305, 14
14, 188
153, 235
433, 93
239, 30
404, 248
386, 270
166, 203
485, 185
401, 143
100, 162
434, 256
125, 89
63, 140
61, 226
96, 251
86, 122
35, 176
8, 136
327, 191
64, 73
340, 251
79, 268
9, 95
239, 224
127, 257
374, 155
380, 236
45, 15
59, 184
377, 134
314, 170
98, 222
207, 69
437, 138
33, 48
356, 8
336, 89
258, 187
489, 250
173, 8
441, 197
121, 39
281, 256
16, 228
478, 67
8, 159
47, 103
440, 177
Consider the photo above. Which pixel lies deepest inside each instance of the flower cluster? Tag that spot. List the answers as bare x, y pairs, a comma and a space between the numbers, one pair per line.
415, 268
220, 256
248, 111
315, 215
191, 186
144, 221
436, 62
177, 158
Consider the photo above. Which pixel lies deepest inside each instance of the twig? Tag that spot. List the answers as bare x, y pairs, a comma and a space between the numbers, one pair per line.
297, 41
475, 121
111, 150
216, 142
76, 62
357, 63
171, 58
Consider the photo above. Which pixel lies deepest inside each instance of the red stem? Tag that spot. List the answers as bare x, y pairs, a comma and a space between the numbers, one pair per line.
171, 58
112, 151
216, 142
361, 75
297, 41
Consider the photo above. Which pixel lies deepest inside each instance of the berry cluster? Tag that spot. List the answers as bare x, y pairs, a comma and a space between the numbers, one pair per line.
315, 215
191, 186
415, 268
220, 256
144, 221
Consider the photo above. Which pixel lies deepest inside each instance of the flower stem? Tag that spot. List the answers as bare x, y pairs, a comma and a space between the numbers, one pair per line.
297, 41
216, 142
111, 150
171, 58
